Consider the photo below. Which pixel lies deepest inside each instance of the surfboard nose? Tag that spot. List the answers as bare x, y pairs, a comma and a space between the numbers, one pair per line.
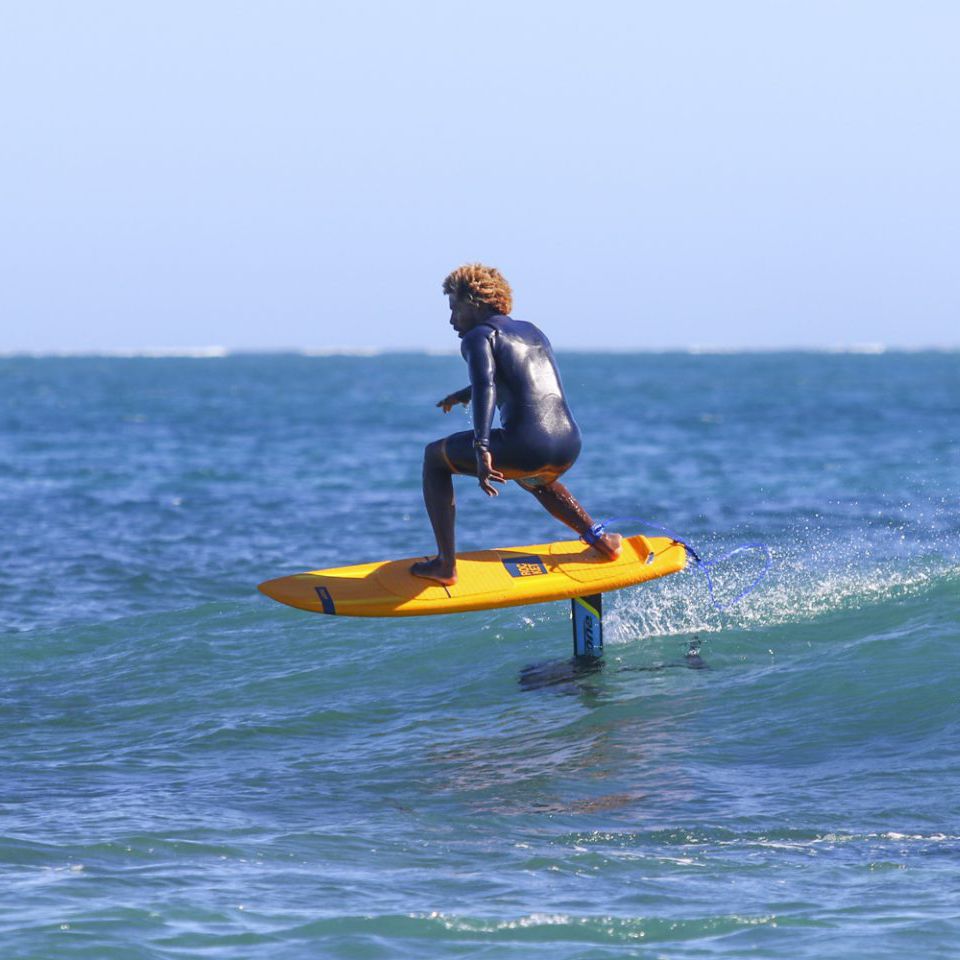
305, 591
277, 589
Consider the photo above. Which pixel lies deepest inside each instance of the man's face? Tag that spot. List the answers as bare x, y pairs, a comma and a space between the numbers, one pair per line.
462, 315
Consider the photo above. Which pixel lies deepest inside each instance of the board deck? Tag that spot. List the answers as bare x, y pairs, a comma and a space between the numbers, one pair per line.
505, 577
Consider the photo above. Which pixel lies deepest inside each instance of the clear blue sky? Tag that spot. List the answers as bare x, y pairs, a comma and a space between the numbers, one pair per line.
646, 174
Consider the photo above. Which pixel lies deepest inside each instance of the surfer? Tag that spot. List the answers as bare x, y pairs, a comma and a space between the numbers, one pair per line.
512, 367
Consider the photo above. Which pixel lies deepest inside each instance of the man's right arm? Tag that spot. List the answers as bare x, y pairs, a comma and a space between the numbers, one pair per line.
478, 352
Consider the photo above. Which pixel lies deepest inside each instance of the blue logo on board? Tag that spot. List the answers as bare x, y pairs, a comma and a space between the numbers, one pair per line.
326, 600
525, 566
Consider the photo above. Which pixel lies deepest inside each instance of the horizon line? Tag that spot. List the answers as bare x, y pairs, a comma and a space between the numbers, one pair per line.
220, 352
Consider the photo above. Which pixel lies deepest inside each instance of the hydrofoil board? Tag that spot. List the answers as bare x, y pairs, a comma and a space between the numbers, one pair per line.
504, 577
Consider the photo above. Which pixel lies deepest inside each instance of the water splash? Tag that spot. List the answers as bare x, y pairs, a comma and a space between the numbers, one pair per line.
813, 574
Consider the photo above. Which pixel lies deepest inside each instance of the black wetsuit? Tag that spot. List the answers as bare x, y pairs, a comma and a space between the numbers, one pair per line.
512, 366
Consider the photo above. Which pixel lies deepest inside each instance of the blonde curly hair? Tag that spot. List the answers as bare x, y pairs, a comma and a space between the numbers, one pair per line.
480, 284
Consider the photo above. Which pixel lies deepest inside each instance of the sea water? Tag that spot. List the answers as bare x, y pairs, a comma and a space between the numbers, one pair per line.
192, 770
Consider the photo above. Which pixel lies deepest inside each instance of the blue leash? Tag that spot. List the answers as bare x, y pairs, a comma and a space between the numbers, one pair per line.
598, 529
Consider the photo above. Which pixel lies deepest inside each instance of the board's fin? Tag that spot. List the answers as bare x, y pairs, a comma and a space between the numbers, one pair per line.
587, 616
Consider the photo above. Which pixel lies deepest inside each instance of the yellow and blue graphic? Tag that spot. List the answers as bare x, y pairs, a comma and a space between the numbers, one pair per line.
525, 566
587, 615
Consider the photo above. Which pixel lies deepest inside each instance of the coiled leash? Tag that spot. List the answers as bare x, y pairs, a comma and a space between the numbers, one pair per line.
595, 532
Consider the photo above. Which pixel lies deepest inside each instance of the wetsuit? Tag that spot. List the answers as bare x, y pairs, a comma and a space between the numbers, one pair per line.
512, 367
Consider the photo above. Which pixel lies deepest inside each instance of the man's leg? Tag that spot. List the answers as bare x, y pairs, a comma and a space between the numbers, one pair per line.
559, 502
442, 509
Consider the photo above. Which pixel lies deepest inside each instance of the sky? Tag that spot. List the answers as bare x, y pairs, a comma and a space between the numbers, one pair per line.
746, 174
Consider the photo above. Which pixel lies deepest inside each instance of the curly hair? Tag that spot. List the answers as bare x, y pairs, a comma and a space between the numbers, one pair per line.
480, 284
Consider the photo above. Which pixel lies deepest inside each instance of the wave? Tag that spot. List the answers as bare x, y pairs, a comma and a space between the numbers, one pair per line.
422, 931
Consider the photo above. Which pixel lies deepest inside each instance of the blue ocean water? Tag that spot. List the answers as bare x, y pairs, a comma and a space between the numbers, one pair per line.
191, 770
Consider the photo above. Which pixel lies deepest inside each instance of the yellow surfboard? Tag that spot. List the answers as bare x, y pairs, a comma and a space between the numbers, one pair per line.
507, 577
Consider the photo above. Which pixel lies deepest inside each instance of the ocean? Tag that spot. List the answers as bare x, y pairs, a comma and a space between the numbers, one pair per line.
192, 770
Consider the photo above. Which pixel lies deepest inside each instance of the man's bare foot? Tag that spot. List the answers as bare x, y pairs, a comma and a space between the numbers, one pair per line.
610, 545
443, 573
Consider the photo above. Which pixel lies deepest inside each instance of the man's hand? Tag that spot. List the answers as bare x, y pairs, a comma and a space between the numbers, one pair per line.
449, 402
486, 472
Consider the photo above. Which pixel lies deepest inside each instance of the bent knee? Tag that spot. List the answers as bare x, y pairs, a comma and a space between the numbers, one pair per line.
433, 455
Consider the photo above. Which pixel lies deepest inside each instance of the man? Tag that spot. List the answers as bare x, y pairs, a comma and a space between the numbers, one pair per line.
511, 367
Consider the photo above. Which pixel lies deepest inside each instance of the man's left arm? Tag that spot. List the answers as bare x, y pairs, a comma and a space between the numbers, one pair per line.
452, 399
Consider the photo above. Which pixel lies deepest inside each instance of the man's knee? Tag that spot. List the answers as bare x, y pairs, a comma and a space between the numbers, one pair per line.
433, 456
